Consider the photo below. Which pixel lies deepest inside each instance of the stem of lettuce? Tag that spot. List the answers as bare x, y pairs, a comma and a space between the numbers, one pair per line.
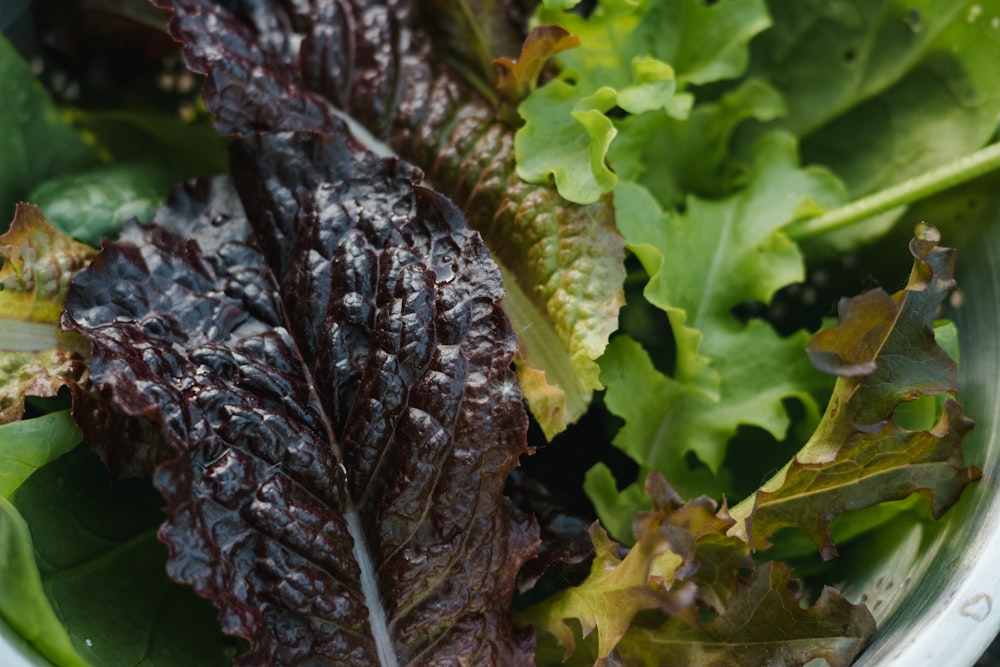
20, 336
954, 173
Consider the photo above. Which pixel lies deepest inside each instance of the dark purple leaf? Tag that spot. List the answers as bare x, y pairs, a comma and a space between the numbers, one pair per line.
297, 65
333, 375
308, 66
565, 533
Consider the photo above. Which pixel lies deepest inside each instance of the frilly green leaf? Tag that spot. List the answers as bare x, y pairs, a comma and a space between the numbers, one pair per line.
721, 363
573, 153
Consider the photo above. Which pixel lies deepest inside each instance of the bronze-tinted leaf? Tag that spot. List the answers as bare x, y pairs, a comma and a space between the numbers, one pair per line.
514, 79
887, 342
36, 357
765, 623
884, 353
702, 599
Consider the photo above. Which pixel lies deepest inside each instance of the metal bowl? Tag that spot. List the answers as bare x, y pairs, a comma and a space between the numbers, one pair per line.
15, 651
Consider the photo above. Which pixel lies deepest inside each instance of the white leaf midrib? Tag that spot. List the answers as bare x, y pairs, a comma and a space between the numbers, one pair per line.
369, 588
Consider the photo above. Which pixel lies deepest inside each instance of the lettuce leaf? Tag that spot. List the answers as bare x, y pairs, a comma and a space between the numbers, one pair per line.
703, 42
309, 356
635, 57
95, 203
29, 444
36, 357
37, 143
516, 79
717, 385
690, 578
333, 379
766, 622
673, 158
371, 69
62, 556
26, 446
96, 549
686, 573
914, 82
884, 353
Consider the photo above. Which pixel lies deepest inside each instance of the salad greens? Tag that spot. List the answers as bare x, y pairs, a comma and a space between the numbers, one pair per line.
303, 359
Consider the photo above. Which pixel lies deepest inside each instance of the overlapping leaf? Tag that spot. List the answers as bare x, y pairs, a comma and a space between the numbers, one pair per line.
564, 531
639, 57
572, 154
28, 444
36, 357
25, 446
94, 542
914, 79
470, 34
673, 158
95, 203
703, 42
686, 573
616, 590
275, 67
727, 373
37, 144
339, 403
765, 624
515, 79
884, 353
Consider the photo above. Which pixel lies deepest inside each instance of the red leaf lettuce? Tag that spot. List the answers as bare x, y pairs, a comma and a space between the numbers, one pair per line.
323, 349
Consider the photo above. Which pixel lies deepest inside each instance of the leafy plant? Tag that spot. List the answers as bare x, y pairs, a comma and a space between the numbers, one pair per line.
319, 353
394, 390
857, 458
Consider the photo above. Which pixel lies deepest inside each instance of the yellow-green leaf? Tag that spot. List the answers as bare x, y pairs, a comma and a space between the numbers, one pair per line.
36, 356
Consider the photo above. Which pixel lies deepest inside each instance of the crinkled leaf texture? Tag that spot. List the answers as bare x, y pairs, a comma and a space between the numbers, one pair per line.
36, 357
333, 376
688, 577
37, 263
884, 354
274, 67
616, 590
